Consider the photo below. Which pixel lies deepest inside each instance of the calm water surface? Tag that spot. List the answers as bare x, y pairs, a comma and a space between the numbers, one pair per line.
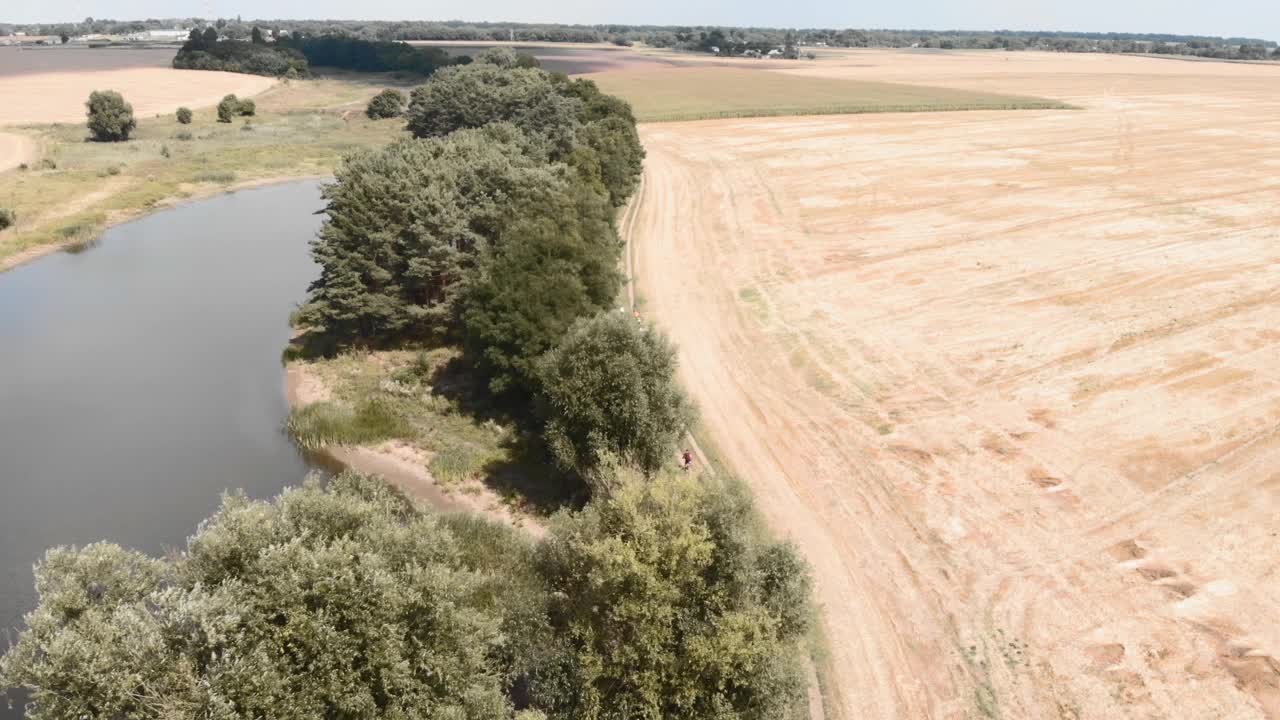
142, 378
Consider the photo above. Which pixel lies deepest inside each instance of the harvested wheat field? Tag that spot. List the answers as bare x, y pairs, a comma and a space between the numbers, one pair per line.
50, 97
1009, 379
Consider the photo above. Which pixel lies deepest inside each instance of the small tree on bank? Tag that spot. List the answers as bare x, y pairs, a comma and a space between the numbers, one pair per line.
184, 115
110, 117
387, 104
247, 108
7, 217
609, 390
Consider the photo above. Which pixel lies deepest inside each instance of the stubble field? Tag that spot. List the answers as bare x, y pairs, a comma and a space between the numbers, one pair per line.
1008, 379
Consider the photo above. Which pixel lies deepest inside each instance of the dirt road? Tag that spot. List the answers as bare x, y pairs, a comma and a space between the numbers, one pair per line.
1008, 379
15, 150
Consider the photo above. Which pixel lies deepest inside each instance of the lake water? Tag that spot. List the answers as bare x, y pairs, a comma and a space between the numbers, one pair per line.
141, 379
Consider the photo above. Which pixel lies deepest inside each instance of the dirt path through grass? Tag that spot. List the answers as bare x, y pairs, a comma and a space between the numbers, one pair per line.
15, 150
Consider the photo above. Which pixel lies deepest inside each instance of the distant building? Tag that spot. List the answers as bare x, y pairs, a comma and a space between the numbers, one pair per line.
159, 36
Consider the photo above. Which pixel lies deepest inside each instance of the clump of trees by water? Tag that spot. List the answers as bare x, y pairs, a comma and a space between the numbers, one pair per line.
110, 117
665, 599
494, 228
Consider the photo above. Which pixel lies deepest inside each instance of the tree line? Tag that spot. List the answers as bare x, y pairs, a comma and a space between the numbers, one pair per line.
292, 55
700, 38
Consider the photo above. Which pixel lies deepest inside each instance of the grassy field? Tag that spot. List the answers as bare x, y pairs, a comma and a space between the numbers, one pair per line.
302, 129
705, 93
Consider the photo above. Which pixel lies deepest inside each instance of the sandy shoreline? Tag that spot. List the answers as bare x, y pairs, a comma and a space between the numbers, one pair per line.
402, 465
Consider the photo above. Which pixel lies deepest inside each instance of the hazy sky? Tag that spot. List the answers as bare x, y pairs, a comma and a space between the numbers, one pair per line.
1251, 18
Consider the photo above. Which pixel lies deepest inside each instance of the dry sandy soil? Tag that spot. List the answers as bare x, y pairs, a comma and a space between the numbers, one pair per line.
60, 96
1010, 380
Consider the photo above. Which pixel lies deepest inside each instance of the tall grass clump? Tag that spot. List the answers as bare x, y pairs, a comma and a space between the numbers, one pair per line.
327, 424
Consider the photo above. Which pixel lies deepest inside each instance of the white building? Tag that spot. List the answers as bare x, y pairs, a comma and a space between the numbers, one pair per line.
159, 36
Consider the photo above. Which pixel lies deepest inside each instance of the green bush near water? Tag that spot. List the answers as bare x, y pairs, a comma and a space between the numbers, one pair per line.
664, 599
7, 217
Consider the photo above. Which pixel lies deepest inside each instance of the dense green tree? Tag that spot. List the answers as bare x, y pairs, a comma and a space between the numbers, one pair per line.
476, 95
567, 114
110, 117
669, 602
228, 108
184, 115
247, 108
608, 390
387, 104
210, 38
406, 224
339, 603
543, 275
256, 36
617, 153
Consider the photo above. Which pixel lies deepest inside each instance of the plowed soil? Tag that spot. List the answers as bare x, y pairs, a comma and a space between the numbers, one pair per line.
1009, 379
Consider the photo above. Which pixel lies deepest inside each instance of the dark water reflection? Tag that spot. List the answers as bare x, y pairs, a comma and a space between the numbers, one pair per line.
142, 378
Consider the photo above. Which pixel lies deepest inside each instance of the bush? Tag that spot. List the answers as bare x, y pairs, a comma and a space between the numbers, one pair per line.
668, 600
110, 117
183, 135
387, 104
346, 602
247, 108
7, 218
184, 115
228, 108
609, 390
